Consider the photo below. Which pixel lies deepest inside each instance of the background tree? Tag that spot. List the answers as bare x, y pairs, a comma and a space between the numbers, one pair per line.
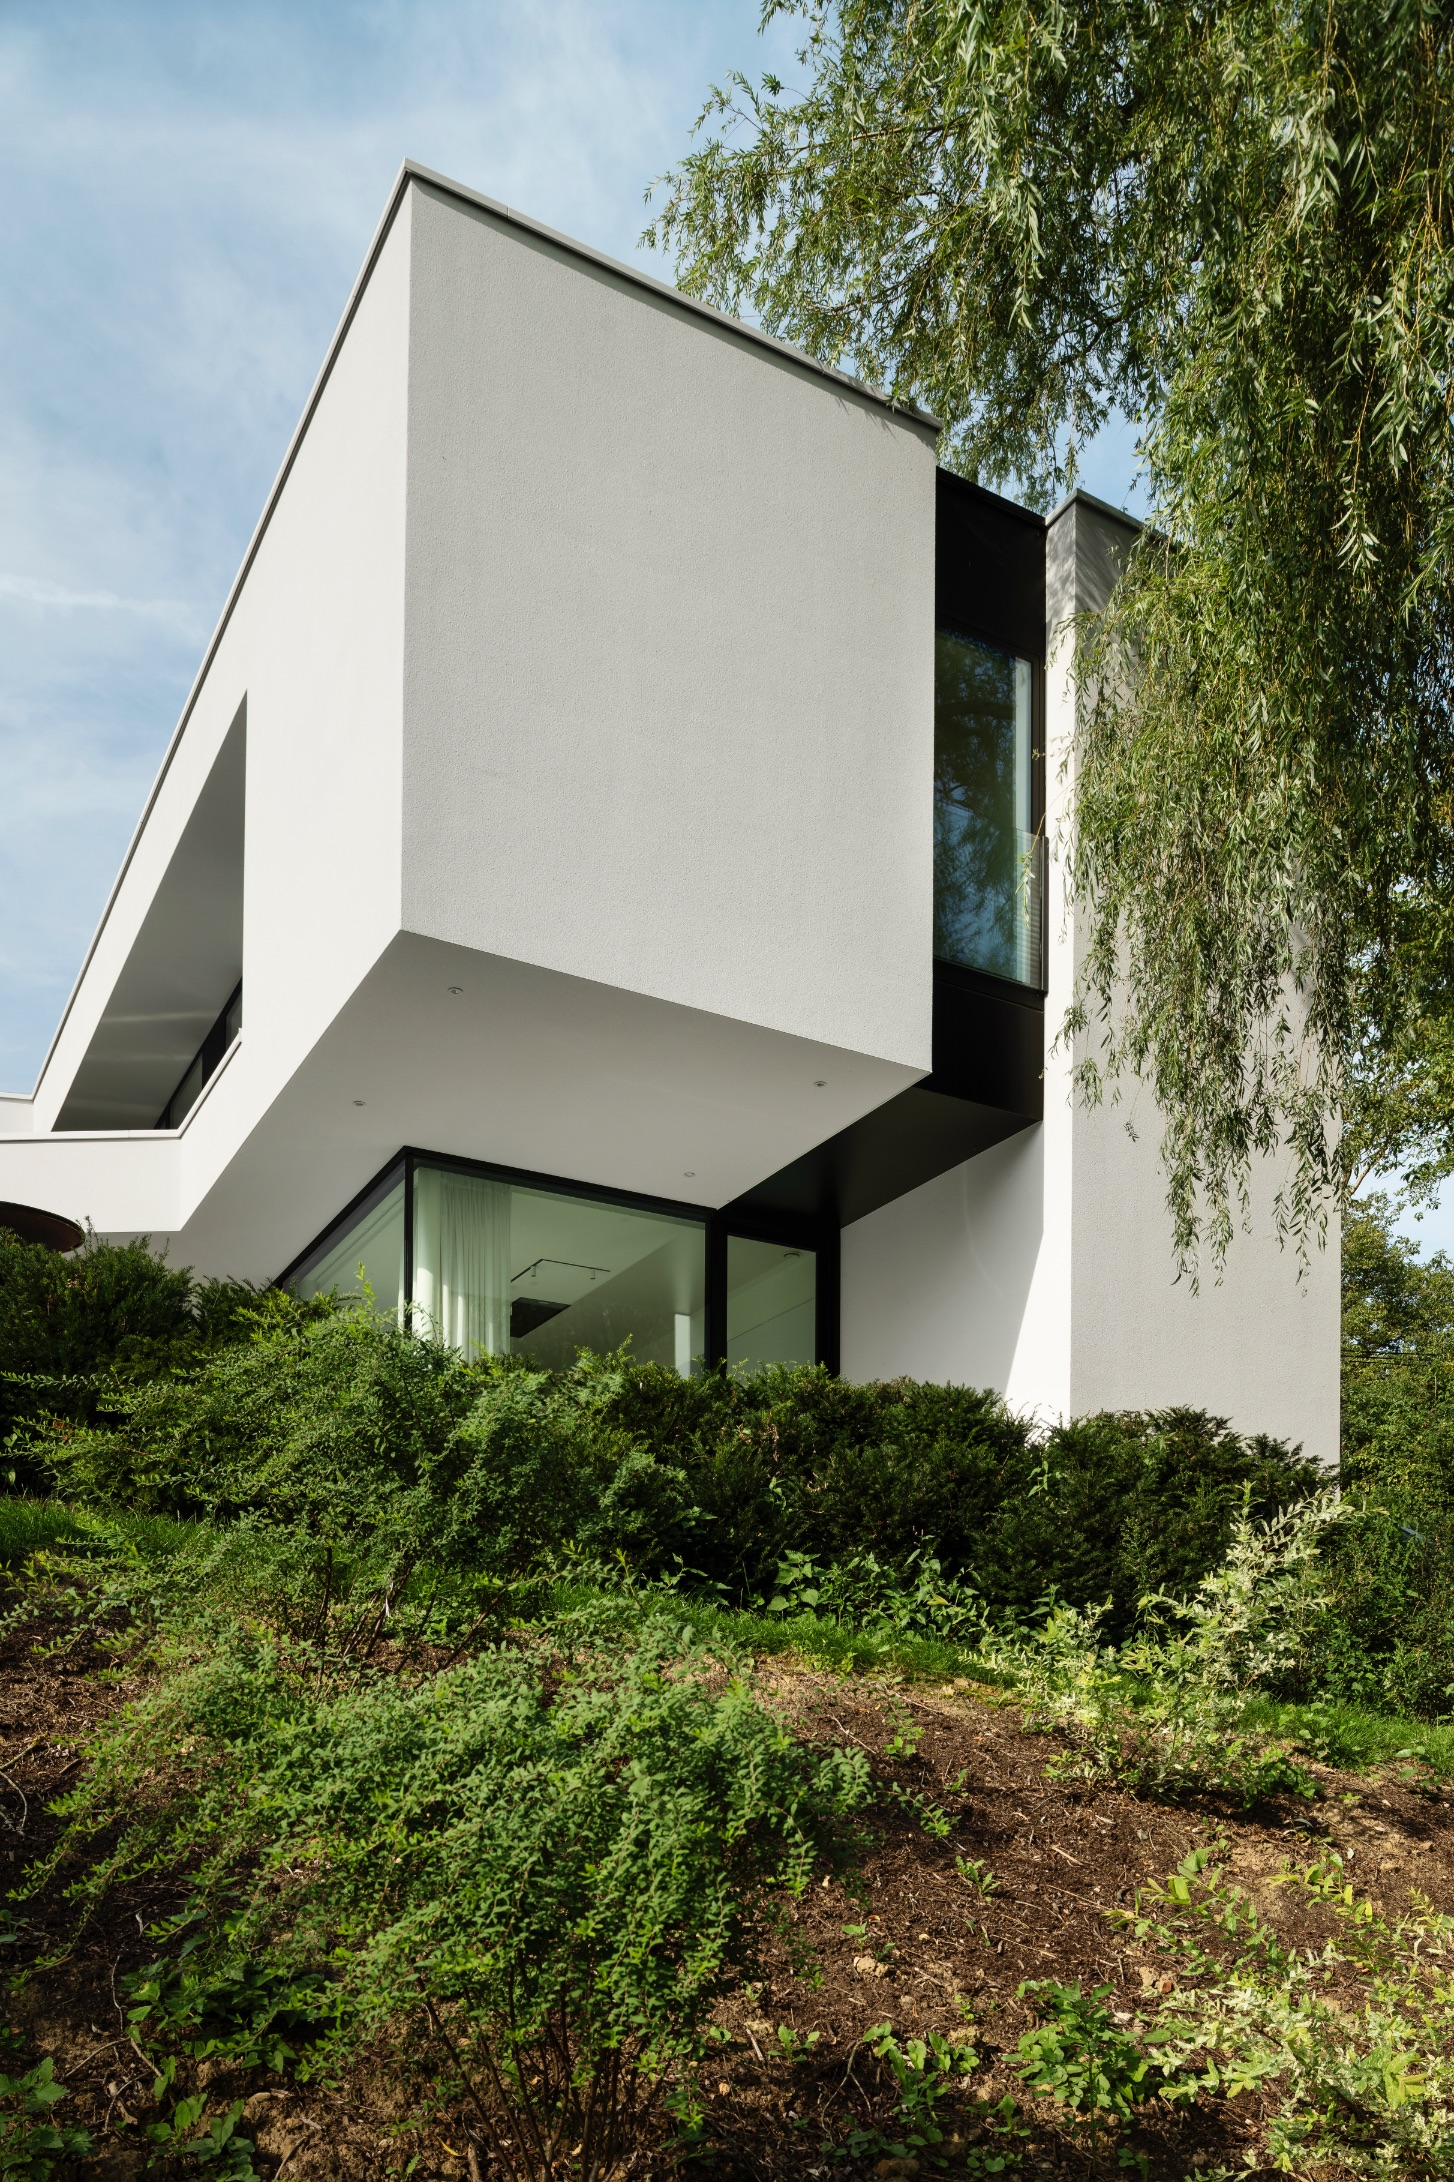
1235, 221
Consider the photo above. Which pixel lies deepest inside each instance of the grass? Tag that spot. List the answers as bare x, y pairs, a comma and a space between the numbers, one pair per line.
28, 1525
1356, 1739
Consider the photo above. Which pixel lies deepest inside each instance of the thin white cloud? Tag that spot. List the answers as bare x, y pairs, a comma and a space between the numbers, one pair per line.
34, 591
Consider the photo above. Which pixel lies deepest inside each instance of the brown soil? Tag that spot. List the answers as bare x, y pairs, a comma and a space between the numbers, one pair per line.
930, 1953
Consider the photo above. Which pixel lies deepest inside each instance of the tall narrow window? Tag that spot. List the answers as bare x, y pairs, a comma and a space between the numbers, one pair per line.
986, 866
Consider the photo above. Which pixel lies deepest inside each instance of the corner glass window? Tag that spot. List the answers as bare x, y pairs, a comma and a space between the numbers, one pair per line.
529, 1272
366, 1257
772, 1304
987, 888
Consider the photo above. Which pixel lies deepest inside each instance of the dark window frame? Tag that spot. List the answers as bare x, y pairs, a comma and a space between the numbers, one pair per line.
820, 1236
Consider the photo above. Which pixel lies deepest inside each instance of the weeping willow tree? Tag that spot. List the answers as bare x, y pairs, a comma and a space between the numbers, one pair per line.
1232, 220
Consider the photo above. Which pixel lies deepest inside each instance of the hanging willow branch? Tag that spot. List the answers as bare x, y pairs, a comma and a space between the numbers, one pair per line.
1235, 221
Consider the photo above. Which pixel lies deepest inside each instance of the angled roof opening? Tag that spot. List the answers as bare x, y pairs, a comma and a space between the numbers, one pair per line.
184, 965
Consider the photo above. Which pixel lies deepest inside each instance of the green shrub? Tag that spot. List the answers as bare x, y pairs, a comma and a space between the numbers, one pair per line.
1164, 1712
361, 1437
542, 1868
1386, 1636
1358, 2082
74, 1329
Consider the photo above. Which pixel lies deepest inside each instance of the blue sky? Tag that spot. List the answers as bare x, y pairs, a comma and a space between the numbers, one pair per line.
189, 191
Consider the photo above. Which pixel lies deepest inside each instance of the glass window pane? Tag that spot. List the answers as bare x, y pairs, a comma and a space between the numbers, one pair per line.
528, 1272
986, 909
368, 1257
772, 1304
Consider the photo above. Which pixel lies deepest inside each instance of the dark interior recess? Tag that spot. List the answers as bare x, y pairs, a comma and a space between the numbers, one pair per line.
204, 1063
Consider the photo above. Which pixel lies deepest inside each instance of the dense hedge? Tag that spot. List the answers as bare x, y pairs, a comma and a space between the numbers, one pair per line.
345, 1427
123, 1382
1387, 1634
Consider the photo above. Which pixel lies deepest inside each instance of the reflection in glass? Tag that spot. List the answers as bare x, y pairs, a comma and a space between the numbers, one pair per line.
771, 1304
368, 1257
986, 891
519, 1271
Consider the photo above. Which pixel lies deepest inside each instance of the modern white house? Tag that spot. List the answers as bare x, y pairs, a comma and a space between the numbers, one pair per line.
599, 885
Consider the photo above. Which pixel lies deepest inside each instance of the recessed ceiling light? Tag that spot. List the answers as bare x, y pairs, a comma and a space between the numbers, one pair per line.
820, 1083
358, 1102
689, 1174
454, 988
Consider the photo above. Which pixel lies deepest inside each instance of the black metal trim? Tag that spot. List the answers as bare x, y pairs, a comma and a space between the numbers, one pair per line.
820, 1236
410, 1166
559, 1185
355, 1205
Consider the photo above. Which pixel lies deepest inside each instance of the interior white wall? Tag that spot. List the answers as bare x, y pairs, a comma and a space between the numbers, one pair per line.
669, 651
1044, 1267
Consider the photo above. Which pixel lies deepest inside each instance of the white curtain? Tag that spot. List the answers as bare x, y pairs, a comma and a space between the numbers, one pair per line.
462, 1259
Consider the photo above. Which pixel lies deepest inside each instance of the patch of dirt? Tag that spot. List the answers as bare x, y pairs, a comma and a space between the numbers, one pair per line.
915, 1946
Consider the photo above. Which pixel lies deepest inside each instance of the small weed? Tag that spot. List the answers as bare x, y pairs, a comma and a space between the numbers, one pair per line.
934, 1821
32, 2142
793, 2044
218, 2147
921, 2071
976, 1873
907, 1735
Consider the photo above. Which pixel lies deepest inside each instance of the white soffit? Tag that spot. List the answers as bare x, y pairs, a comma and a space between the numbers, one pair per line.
182, 968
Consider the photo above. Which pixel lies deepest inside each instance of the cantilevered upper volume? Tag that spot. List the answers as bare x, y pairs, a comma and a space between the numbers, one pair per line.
603, 861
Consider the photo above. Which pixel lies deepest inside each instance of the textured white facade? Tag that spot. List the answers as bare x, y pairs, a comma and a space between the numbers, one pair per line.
559, 786
585, 658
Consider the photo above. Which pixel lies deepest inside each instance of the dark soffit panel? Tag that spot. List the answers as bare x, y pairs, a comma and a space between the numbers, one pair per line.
889, 1152
989, 567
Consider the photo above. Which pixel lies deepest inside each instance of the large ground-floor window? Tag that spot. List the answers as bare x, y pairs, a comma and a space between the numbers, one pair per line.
519, 1265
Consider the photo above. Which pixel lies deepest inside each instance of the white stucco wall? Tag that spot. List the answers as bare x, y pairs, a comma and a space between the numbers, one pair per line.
586, 650
1044, 1267
669, 658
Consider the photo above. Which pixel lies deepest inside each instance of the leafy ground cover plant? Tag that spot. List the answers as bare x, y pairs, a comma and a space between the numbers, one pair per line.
1354, 2034
34, 2141
1077, 2055
1165, 1712
546, 1865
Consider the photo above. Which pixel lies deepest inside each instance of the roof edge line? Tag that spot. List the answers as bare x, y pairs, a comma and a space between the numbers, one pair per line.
315, 395
1093, 500
910, 412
